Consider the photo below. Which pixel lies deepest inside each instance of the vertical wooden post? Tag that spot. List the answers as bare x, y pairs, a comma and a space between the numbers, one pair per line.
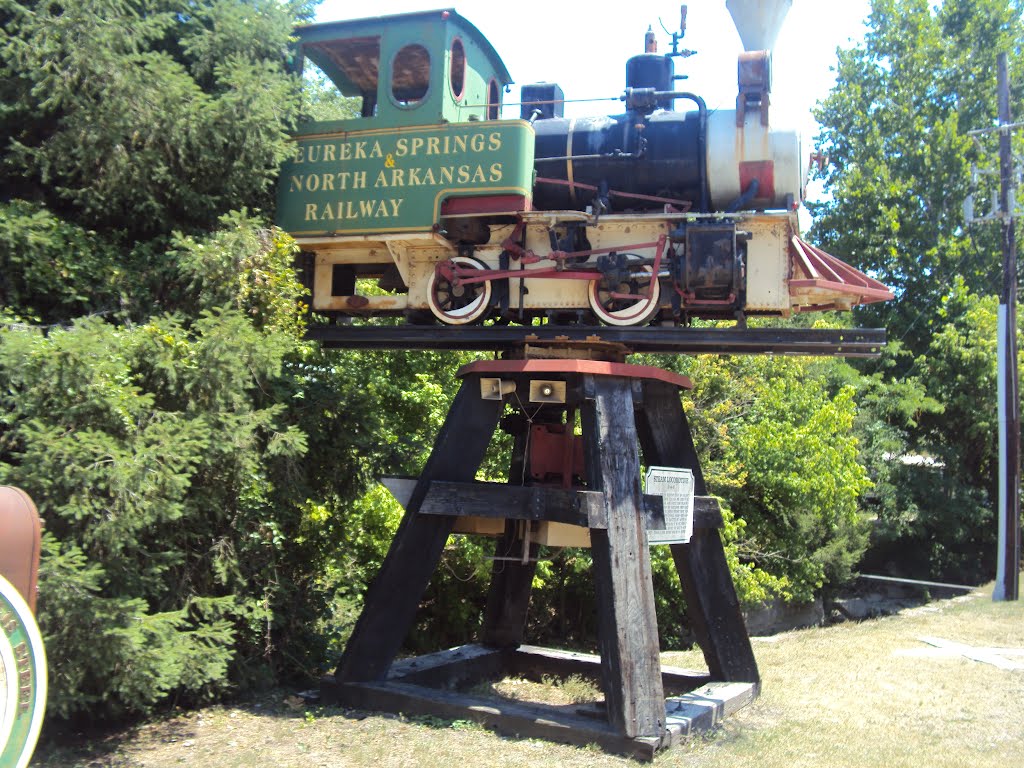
392, 600
712, 606
627, 626
508, 598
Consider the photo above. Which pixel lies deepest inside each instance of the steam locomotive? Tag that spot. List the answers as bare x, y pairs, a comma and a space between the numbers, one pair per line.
430, 206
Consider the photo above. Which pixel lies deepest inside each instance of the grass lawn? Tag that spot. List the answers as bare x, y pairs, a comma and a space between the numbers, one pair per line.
860, 695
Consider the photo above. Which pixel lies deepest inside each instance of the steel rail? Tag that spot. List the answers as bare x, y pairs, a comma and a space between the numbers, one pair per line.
855, 342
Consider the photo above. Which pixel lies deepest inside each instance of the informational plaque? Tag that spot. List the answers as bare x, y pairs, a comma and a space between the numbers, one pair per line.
675, 486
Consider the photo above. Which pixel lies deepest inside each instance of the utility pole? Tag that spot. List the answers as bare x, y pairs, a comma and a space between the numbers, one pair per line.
1008, 562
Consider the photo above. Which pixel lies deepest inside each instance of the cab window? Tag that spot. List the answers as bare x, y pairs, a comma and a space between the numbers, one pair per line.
410, 75
457, 72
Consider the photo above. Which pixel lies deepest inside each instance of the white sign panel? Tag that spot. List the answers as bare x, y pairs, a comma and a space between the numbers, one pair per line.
675, 486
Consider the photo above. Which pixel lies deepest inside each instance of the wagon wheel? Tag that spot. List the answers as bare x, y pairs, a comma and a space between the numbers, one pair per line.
459, 304
616, 311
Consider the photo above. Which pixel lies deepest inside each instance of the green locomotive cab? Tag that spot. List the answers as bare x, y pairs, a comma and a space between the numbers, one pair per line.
428, 143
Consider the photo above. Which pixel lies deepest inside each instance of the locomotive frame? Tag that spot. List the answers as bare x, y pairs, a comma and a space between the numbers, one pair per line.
430, 207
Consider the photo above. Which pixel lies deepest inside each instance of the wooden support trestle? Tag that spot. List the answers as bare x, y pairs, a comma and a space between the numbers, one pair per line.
622, 408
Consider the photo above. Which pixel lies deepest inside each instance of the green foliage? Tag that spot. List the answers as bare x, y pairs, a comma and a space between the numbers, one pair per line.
50, 268
777, 444
895, 129
248, 268
322, 101
154, 466
146, 117
945, 524
895, 132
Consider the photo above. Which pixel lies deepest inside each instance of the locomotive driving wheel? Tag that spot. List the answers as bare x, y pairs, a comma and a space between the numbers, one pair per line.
457, 303
614, 304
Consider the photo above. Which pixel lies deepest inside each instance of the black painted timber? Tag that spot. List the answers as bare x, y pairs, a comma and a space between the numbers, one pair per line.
508, 596
393, 597
627, 626
713, 609
559, 505
856, 342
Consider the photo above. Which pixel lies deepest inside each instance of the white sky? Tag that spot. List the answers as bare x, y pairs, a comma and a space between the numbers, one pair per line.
584, 49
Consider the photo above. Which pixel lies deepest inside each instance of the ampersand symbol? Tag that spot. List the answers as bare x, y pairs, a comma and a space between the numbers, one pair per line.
389, 161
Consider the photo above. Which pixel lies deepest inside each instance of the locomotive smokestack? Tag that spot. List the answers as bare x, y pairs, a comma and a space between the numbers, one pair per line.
758, 21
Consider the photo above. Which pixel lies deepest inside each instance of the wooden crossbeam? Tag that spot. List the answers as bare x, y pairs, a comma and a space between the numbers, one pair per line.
559, 505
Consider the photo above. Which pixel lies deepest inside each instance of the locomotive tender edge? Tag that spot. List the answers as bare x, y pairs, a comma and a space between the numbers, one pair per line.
650, 216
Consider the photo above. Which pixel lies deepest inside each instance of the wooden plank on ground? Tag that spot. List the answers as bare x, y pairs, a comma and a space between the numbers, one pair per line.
450, 668
705, 709
535, 663
520, 719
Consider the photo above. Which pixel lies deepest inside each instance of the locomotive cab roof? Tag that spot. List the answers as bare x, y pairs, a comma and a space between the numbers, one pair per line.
429, 66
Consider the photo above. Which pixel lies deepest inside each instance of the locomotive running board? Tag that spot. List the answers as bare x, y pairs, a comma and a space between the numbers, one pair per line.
845, 342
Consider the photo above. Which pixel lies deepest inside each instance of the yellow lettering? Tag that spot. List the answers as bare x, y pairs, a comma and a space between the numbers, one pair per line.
310, 211
343, 179
360, 150
329, 153
463, 174
295, 184
376, 152
494, 141
366, 208
312, 183
397, 177
460, 143
327, 182
417, 144
414, 177
428, 177
359, 180
326, 213
382, 210
346, 151
300, 154
401, 147
478, 175
381, 181
446, 175
476, 142
433, 146
395, 205
496, 172
314, 153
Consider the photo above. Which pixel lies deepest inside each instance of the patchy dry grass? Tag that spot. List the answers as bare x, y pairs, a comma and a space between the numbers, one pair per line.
574, 689
849, 695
